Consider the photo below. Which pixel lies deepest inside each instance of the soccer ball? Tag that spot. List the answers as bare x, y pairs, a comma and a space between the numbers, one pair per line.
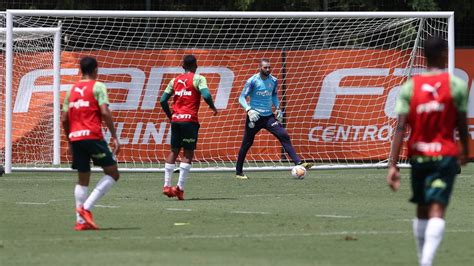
298, 172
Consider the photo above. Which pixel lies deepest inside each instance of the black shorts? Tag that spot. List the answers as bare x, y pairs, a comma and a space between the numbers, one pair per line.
184, 135
433, 180
85, 150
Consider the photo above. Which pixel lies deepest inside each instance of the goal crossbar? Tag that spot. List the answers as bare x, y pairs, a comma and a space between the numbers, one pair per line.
227, 14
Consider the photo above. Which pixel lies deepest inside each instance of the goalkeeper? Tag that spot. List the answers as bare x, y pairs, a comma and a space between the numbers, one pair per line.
261, 88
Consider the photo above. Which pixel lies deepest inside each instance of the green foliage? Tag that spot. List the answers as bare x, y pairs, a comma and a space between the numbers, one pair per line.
243, 4
463, 9
355, 5
423, 5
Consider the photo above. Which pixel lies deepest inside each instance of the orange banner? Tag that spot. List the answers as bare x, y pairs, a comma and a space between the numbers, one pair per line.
339, 103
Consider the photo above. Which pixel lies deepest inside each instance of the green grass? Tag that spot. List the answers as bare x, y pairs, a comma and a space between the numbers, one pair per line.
347, 217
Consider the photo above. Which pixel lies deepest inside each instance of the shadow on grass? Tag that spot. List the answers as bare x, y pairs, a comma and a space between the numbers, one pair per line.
119, 228
212, 199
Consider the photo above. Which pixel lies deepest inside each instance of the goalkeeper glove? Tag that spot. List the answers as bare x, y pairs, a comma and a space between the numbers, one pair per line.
279, 115
253, 115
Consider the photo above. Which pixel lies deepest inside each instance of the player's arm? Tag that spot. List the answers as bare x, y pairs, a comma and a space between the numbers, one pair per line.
460, 96
200, 83
463, 137
100, 93
245, 93
248, 87
65, 116
275, 100
276, 103
402, 107
397, 141
165, 97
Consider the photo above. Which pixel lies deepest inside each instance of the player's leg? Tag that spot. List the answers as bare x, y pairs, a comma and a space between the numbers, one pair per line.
81, 162
101, 156
169, 169
434, 233
419, 172
190, 132
80, 194
247, 142
419, 228
438, 189
184, 168
170, 165
282, 135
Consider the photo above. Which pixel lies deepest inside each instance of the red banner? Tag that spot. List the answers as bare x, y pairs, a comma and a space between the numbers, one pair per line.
339, 103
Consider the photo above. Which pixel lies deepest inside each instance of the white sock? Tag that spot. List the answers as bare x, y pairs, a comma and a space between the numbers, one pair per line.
169, 169
80, 194
419, 228
99, 191
433, 236
183, 174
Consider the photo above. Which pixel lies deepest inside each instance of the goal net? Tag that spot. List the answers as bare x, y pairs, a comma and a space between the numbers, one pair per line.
34, 127
338, 79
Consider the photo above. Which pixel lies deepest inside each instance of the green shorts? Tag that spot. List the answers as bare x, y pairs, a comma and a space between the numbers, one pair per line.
184, 135
85, 150
433, 180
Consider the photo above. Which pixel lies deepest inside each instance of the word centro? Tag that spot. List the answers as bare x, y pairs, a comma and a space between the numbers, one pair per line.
349, 133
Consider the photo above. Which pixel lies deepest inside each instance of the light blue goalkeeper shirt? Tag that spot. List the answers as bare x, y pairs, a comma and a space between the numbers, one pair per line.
262, 93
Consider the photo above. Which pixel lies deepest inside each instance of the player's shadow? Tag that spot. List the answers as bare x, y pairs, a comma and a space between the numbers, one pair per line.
119, 228
204, 199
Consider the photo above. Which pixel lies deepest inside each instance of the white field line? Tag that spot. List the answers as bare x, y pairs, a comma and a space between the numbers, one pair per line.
249, 212
39, 203
32, 203
181, 224
107, 206
277, 195
229, 236
53, 200
178, 210
404, 220
333, 216
72, 178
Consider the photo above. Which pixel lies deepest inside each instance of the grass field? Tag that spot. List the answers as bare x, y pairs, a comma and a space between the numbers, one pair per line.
343, 217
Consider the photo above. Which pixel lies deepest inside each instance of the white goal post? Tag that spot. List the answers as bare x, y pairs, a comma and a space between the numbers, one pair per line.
338, 72
18, 34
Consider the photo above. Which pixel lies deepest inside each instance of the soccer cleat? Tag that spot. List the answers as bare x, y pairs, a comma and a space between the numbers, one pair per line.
307, 165
242, 176
178, 192
168, 191
83, 227
87, 216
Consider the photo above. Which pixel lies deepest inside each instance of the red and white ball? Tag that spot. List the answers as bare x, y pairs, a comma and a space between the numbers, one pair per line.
298, 172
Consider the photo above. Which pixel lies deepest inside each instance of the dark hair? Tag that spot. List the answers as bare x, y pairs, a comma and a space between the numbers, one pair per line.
264, 60
189, 62
88, 65
434, 48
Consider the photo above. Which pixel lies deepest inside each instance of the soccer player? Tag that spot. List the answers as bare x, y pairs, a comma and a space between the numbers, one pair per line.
262, 90
186, 90
84, 109
433, 104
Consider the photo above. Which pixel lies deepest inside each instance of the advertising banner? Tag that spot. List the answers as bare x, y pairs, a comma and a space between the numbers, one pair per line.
339, 103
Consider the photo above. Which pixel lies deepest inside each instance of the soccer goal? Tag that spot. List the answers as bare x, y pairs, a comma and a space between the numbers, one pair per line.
339, 74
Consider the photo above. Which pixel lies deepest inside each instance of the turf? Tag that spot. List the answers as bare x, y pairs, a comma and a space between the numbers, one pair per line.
343, 217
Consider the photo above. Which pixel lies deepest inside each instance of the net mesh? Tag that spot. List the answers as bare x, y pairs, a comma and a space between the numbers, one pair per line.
338, 79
